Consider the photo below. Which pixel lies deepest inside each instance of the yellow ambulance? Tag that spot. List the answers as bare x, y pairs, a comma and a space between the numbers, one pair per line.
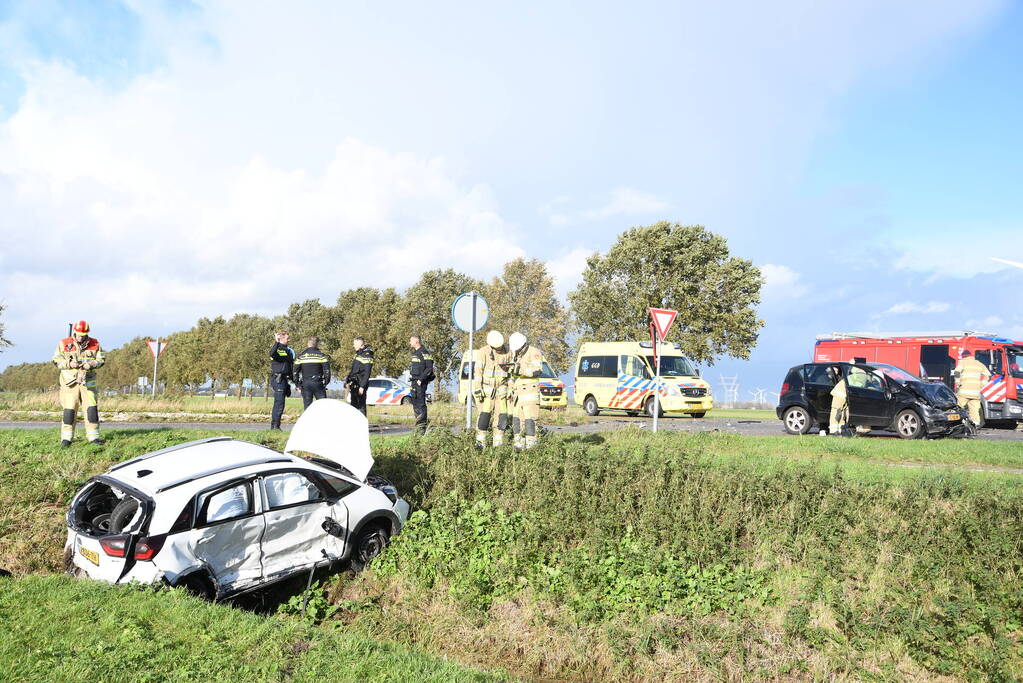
619, 376
552, 389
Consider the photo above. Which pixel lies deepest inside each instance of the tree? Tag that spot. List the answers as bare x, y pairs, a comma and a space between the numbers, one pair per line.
125, 364
523, 300
369, 313
426, 310
249, 338
667, 265
180, 364
312, 319
3, 341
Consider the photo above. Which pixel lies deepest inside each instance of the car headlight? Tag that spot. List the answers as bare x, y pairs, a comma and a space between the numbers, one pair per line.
673, 390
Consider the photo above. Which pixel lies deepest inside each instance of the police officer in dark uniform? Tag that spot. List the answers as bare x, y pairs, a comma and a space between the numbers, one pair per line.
312, 372
282, 358
420, 375
358, 378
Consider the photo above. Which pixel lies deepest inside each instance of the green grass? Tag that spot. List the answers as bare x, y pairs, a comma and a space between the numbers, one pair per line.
631, 555
60, 629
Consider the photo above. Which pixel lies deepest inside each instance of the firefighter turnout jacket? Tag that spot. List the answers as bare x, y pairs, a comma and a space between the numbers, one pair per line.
87, 354
312, 364
971, 377
362, 368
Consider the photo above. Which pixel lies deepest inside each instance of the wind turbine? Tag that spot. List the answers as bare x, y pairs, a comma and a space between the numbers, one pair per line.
1008, 263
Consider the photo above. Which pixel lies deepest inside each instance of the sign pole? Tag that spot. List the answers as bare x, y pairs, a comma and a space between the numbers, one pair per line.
156, 364
657, 376
469, 398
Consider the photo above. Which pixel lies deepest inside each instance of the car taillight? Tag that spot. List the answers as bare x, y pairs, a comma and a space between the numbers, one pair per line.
148, 546
114, 546
785, 387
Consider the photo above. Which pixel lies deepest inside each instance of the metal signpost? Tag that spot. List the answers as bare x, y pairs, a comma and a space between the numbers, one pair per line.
661, 320
469, 313
156, 347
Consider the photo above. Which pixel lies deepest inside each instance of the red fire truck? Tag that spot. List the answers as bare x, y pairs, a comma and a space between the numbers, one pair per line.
933, 355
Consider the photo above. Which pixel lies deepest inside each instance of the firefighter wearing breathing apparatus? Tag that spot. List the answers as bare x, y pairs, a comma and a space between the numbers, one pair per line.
490, 388
527, 364
78, 356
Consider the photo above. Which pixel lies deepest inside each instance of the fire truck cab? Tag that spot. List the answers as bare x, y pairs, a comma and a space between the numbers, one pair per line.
933, 355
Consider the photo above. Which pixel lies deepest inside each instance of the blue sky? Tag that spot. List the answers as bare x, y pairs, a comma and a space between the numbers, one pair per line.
157, 159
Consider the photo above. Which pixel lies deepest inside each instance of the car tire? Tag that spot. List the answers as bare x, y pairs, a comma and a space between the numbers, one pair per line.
102, 523
796, 420
590, 406
370, 542
632, 413
648, 408
698, 415
406, 401
909, 425
199, 585
122, 514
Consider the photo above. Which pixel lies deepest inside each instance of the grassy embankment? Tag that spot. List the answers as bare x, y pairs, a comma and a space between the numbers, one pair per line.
46, 406
640, 556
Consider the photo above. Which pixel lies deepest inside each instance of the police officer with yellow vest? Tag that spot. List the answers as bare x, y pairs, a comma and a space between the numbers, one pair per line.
358, 376
312, 372
420, 374
971, 378
78, 356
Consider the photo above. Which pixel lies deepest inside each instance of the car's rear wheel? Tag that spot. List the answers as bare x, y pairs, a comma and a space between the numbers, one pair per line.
590, 406
370, 543
796, 420
908, 425
407, 401
698, 414
648, 408
200, 585
632, 413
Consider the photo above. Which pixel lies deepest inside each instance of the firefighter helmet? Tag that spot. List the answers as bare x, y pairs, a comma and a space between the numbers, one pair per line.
81, 327
495, 339
516, 341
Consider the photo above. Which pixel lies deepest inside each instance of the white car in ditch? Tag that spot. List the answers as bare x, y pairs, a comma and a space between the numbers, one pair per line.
224, 517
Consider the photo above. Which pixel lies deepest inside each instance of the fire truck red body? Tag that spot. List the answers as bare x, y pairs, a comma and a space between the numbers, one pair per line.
934, 355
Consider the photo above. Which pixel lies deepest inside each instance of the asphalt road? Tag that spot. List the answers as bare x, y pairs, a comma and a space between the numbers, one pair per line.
749, 427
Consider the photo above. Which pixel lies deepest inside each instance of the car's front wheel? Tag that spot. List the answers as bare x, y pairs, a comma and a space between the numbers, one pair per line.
649, 407
590, 406
796, 420
908, 425
370, 543
407, 401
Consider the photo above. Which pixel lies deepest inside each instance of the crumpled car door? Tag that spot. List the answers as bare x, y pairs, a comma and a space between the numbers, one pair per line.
297, 512
228, 535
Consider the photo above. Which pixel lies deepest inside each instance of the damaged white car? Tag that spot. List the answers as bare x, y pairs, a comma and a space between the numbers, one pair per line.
224, 517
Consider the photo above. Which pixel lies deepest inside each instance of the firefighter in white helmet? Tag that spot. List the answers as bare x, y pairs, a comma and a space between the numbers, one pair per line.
490, 388
527, 365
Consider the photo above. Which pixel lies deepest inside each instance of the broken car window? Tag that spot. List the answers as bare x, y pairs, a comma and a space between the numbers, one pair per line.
289, 488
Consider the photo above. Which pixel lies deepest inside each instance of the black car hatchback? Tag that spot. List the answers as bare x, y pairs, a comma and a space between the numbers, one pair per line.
880, 396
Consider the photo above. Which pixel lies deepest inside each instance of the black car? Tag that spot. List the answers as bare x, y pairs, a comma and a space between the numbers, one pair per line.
880, 396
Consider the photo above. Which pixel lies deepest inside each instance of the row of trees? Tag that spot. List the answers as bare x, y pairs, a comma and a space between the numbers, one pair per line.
666, 265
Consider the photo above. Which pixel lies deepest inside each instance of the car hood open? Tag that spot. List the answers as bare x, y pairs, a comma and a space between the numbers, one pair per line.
335, 431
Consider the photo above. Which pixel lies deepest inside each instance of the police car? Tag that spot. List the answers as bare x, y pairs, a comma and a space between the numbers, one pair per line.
224, 517
387, 391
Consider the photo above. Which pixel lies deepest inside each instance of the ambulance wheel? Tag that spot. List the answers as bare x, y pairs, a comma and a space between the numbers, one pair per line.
698, 415
649, 408
407, 401
908, 425
797, 420
590, 406
632, 413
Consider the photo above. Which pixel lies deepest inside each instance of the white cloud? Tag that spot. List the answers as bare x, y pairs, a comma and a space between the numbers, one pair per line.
621, 201
567, 269
913, 307
781, 284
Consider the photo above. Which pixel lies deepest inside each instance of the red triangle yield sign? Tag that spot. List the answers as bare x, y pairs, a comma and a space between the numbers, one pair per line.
663, 318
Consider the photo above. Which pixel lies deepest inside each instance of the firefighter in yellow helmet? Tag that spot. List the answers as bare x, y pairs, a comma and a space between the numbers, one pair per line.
78, 356
527, 365
971, 378
490, 388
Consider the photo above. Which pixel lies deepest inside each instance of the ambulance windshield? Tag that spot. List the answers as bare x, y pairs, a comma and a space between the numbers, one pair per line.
547, 372
1016, 362
673, 366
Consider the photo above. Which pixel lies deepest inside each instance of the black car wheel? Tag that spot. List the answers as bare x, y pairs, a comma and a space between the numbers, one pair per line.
590, 406
908, 425
698, 415
649, 408
370, 543
796, 420
407, 401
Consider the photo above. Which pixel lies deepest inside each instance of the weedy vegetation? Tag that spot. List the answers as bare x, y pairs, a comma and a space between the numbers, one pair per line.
635, 556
